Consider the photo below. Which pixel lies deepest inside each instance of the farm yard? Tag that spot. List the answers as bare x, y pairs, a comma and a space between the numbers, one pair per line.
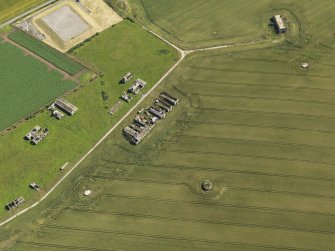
11, 8
26, 85
244, 162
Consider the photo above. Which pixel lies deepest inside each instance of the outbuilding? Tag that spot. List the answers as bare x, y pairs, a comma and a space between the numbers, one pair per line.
279, 24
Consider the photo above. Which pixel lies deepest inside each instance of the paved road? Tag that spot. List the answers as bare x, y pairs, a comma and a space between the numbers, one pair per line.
27, 13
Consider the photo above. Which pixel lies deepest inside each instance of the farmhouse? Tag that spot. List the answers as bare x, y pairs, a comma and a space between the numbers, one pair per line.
66, 106
279, 24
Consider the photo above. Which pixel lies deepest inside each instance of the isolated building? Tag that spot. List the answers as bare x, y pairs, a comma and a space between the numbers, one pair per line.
279, 24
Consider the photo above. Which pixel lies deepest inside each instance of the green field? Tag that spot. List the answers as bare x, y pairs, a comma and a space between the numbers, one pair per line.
250, 119
71, 137
26, 85
11, 8
51, 55
207, 23
262, 130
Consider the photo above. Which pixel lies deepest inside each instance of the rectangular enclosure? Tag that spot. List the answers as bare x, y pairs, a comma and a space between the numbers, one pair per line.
66, 23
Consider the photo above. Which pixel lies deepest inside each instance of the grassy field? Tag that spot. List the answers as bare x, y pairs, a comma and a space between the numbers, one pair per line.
262, 130
66, 142
216, 22
26, 85
11, 8
128, 53
46, 52
250, 119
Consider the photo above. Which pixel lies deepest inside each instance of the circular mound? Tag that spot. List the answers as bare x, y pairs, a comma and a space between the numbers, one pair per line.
206, 185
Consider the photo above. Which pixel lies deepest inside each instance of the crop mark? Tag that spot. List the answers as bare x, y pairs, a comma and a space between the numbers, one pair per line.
248, 172
252, 156
263, 98
253, 141
192, 220
217, 204
303, 115
286, 128
175, 238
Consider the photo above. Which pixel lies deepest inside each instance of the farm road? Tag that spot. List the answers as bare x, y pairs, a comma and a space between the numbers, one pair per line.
183, 54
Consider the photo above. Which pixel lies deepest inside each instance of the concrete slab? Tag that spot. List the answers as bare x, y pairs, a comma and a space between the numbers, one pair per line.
66, 23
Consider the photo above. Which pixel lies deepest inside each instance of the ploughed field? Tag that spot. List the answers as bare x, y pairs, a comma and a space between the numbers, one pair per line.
259, 128
26, 85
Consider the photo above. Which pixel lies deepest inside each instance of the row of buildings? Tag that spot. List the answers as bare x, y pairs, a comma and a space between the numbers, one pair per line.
146, 119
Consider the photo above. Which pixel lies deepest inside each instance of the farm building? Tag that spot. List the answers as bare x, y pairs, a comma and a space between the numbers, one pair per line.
66, 106
126, 78
15, 203
156, 113
137, 86
279, 24
36, 135
136, 133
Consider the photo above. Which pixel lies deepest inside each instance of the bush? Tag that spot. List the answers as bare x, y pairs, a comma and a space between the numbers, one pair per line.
104, 96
